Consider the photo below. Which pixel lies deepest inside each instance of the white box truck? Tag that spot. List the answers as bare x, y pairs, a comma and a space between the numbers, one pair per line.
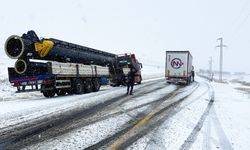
179, 68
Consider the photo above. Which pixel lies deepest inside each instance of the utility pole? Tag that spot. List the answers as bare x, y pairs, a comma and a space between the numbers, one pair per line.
210, 62
221, 56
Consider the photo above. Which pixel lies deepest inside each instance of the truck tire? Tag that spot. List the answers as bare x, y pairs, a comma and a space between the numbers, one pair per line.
61, 92
48, 93
96, 85
88, 86
78, 86
70, 91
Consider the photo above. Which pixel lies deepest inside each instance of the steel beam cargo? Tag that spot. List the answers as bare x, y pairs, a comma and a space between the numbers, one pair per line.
29, 46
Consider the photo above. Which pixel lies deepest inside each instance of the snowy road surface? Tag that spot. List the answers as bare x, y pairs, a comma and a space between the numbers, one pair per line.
202, 115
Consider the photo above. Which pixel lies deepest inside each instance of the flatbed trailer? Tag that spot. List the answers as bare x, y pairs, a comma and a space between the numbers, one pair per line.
58, 78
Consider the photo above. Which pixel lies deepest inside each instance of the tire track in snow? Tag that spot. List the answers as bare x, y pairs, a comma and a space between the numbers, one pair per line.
131, 123
107, 142
207, 134
34, 127
148, 124
223, 140
153, 142
193, 135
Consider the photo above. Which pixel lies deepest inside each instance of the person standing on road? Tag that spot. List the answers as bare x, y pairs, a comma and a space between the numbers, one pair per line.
130, 82
193, 73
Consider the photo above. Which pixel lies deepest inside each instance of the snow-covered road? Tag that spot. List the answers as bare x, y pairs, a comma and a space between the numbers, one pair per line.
158, 116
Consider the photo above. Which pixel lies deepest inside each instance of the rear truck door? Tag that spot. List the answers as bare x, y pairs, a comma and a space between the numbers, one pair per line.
176, 64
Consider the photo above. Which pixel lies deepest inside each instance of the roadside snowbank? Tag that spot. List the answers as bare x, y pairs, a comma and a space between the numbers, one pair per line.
228, 124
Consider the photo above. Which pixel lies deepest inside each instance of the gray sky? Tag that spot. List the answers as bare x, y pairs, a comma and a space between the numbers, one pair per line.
145, 27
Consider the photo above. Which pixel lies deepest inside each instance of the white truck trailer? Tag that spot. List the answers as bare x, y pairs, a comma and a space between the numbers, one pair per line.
179, 68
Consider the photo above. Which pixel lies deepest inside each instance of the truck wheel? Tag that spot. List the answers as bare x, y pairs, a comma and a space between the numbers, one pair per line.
45, 94
115, 84
70, 91
49, 93
96, 85
61, 92
78, 86
88, 86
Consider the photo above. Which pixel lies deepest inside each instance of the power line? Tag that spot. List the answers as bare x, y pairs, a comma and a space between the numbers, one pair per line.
241, 22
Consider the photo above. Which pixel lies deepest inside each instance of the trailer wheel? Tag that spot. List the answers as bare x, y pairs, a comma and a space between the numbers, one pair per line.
45, 94
115, 84
61, 92
96, 85
78, 86
70, 91
88, 86
49, 93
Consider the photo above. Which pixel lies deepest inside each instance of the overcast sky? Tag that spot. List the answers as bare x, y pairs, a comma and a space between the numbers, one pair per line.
145, 27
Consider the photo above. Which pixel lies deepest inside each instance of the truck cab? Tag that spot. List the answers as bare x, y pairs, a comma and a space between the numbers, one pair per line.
128, 61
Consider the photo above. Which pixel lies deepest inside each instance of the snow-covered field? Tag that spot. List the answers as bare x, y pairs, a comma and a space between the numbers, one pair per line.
232, 77
242, 78
228, 123
152, 72
4, 64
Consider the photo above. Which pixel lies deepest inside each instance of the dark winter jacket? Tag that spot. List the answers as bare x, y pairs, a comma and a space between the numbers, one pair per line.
131, 77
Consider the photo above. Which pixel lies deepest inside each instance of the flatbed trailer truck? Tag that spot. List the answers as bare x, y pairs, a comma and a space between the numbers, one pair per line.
54, 66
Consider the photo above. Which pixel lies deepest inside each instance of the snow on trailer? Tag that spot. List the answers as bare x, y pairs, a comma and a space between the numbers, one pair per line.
179, 68
70, 69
